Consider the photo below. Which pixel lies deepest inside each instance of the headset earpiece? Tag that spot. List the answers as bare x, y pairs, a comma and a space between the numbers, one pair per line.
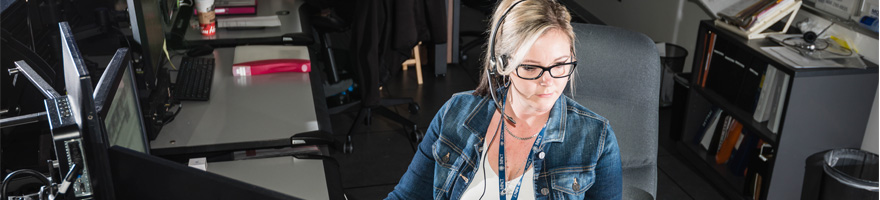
503, 60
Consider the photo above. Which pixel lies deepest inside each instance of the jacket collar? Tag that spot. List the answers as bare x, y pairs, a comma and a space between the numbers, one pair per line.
478, 120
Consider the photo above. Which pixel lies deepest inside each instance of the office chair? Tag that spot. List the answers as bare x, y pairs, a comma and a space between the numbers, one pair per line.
618, 77
485, 7
368, 85
323, 22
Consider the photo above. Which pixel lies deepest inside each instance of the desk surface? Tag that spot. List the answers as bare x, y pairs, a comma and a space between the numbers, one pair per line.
287, 11
301, 178
243, 112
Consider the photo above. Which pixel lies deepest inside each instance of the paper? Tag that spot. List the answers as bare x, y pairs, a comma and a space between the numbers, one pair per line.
717, 6
736, 6
259, 21
796, 60
199, 163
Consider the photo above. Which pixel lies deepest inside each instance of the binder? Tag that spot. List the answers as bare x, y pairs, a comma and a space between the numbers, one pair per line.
726, 71
750, 89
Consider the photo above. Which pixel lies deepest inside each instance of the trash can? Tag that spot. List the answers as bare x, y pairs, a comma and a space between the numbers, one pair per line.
841, 174
672, 59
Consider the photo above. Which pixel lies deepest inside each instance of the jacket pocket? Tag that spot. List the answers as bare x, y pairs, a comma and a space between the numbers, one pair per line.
572, 183
445, 155
447, 165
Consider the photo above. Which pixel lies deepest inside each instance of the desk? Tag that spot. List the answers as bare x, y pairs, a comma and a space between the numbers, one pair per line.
256, 112
301, 178
245, 112
290, 31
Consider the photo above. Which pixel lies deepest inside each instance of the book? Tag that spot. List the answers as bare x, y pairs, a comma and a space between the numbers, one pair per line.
747, 149
705, 53
717, 136
767, 89
235, 7
773, 97
698, 136
709, 124
273, 58
728, 144
752, 18
271, 66
745, 14
709, 52
776, 114
757, 168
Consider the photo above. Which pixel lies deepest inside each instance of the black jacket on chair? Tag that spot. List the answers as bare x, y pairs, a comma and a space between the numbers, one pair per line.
384, 32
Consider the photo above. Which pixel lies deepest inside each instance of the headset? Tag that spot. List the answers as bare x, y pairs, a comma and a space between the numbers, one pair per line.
493, 62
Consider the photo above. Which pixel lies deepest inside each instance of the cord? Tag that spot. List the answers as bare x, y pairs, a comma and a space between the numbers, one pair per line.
27, 172
171, 118
492, 141
811, 44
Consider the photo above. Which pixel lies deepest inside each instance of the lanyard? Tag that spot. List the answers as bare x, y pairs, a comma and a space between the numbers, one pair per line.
501, 175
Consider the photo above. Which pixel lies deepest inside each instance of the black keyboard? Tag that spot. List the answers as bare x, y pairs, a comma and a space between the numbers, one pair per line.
194, 79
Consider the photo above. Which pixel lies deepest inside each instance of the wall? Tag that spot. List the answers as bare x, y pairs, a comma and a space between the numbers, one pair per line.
673, 21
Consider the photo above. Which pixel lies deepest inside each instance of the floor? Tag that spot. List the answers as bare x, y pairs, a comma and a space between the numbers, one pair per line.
383, 150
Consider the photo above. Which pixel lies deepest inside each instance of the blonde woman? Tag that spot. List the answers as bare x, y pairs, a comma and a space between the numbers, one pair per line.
517, 136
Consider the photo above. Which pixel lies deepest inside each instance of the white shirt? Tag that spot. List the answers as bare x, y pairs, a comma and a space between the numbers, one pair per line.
475, 188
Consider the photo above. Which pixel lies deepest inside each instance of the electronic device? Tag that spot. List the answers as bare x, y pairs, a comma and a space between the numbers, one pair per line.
118, 104
140, 176
494, 61
77, 130
194, 79
158, 25
88, 167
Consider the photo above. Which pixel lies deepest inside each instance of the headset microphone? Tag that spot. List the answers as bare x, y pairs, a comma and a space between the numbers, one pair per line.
493, 62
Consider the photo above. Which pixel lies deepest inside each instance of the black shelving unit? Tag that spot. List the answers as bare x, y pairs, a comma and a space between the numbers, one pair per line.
823, 108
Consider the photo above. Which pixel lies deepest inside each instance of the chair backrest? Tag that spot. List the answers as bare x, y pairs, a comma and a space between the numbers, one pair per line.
618, 77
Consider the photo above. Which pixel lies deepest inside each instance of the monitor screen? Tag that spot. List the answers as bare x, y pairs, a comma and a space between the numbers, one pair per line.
147, 25
123, 122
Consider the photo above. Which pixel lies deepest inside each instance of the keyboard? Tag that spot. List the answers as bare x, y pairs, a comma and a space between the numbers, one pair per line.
194, 79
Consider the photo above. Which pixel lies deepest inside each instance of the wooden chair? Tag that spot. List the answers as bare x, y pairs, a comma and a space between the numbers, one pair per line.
417, 61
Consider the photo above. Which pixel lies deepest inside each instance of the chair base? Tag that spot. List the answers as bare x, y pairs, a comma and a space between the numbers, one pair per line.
364, 117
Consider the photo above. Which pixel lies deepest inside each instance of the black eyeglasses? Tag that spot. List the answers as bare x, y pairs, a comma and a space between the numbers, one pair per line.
532, 72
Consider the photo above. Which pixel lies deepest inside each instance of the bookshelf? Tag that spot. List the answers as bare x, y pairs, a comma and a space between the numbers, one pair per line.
812, 109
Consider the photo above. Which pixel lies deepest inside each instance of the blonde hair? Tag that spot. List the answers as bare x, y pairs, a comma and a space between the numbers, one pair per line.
519, 30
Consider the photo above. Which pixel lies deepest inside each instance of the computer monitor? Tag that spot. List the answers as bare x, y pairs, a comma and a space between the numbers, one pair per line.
140, 176
123, 122
147, 26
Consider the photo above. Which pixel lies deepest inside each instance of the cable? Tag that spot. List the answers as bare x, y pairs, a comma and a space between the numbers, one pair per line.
171, 118
492, 141
28, 172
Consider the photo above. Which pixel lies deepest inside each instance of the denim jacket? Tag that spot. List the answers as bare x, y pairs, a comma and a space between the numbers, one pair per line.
580, 158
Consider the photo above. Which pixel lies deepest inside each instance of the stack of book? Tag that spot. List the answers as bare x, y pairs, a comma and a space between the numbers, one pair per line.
750, 18
727, 142
235, 7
